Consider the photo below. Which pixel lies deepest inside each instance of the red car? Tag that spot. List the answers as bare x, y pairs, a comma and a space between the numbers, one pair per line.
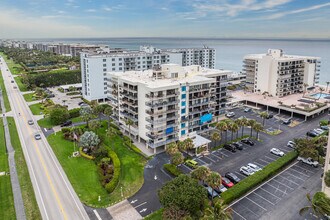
226, 182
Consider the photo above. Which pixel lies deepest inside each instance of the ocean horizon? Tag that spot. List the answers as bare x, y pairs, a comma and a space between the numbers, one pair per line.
229, 51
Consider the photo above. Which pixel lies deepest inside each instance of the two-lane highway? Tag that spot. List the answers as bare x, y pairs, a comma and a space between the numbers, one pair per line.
54, 193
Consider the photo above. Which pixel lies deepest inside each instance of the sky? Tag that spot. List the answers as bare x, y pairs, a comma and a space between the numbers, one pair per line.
165, 18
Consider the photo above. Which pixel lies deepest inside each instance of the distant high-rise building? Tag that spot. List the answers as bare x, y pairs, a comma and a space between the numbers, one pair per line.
279, 74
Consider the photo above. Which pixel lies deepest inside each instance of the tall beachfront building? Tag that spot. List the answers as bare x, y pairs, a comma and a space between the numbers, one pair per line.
95, 65
279, 74
167, 102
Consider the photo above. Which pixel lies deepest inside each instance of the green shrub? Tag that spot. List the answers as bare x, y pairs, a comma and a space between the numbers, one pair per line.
61, 90
73, 93
59, 115
74, 112
250, 182
323, 122
172, 169
85, 155
110, 187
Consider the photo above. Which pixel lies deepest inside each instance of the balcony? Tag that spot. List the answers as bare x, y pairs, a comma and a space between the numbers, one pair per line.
193, 89
129, 95
127, 115
161, 143
153, 104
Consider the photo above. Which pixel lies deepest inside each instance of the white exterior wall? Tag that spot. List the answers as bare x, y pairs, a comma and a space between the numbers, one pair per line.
309, 74
175, 58
142, 90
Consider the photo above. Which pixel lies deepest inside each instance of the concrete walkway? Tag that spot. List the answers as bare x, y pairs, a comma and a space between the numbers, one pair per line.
123, 211
33, 102
18, 200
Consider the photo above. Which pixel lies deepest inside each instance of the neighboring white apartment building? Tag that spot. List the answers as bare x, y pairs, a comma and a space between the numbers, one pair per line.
94, 65
168, 102
280, 74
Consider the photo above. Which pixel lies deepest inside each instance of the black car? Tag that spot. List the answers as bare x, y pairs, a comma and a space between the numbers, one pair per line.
230, 147
311, 134
232, 177
238, 145
248, 142
67, 123
269, 116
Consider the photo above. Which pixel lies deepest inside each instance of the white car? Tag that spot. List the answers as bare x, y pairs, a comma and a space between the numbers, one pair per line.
291, 144
253, 167
277, 152
246, 171
230, 114
319, 130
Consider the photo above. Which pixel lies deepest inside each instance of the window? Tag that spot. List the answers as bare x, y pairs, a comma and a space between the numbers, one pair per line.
104, 74
183, 96
113, 69
104, 65
120, 64
183, 88
183, 111
113, 64
120, 68
120, 59
183, 103
104, 60
104, 70
183, 125
183, 132
113, 59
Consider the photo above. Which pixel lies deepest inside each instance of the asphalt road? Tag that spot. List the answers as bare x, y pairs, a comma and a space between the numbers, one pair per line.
54, 193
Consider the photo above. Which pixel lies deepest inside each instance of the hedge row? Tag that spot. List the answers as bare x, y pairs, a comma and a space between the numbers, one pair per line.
172, 169
128, 143
110, 187
250, 182
85, 155
74, 112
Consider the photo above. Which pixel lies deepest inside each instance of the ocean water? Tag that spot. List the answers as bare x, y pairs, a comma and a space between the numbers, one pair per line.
229, 52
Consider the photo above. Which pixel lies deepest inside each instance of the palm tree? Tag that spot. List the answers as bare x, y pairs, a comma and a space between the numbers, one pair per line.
218, 212
251, 123
327, 178
181, 146
177, 158
305, 88
326, 90
263, 115
128, 123
244, 122
239, 124
257, 127
222, 126
189, 144
172, 148
213, 180
108, 112
233, 127
201, 173
216, 137
320, 204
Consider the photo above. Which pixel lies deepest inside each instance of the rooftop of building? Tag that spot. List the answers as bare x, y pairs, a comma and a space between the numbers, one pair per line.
279, 55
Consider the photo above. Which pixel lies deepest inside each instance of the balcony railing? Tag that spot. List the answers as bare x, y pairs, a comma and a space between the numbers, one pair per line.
161, 143
164, 103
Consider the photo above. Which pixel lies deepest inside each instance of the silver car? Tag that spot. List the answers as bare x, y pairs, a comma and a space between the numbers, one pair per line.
37, 136
246, 171
30, 122
277, 152
253, 167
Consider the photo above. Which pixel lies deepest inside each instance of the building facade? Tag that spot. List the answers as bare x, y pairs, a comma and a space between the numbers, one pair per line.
279, 74
166, 103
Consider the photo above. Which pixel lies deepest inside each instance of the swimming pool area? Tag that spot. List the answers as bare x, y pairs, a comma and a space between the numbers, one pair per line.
322, 96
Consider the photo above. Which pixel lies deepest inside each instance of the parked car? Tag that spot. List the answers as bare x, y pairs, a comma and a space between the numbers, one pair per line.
192, 164
312, 134
247, 141
247, 110
286, 121
308, 161
277, 152
324, 127
291, 144
230, 114
37, 136
211, 193
269, 116
254, 167
226, 182
232, 177
12, 81
30, 122
81, 103
230, 147
220, 189
238, 145
67, 123
246, 171
319, 131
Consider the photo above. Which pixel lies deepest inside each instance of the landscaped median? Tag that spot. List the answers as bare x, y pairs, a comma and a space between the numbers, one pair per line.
4, 93
250, 182
172, 169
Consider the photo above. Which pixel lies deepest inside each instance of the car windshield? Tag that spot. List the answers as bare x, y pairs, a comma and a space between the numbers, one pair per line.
226, 180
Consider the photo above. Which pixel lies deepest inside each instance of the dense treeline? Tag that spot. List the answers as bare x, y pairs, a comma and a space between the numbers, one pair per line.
51, 78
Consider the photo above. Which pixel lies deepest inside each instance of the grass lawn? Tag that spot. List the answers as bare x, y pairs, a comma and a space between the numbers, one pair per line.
30, 203
29, 97
22, 87
14, 68
46, 123
7, 208
4, 93
83, 173
157, 215
36, 108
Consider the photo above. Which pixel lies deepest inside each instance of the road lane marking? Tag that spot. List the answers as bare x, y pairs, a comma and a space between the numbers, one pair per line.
140, 205
42, 162
97, 215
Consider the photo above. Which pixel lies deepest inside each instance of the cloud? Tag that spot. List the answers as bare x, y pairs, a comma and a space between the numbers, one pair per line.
17, 24
311, 8
91, 10
106, 8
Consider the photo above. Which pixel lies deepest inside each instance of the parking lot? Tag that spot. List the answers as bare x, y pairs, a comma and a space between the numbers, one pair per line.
274, 192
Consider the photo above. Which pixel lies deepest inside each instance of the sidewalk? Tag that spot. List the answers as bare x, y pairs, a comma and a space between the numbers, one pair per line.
18, 200
123, 211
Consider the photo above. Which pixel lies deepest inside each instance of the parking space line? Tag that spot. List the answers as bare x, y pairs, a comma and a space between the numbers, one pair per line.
217, 156
263, 198
223, 153
269, 193
289, 180
238, 214
306, 170
200, 160
239, 174
264, 161
276, 188
256, 203
210, 159
295, 176
301, 173
272, 159
282, 184
229, 151
285, 150
260, 165
187, 167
